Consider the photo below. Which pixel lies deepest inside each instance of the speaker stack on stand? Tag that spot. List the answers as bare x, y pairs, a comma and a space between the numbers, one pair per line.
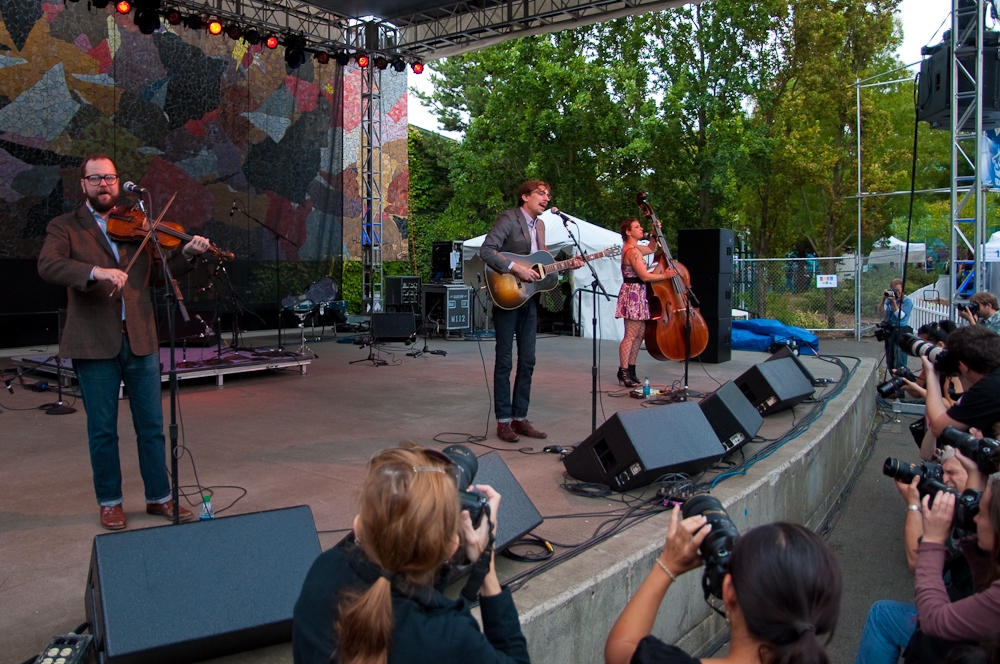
707, 253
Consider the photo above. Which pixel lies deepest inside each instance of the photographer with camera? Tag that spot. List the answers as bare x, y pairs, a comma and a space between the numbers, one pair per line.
975, 349
897, 308
374, 600
982, 306
781, 591
951, 386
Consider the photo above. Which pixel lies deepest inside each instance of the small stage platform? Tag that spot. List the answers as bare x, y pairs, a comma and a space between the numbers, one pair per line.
191, 363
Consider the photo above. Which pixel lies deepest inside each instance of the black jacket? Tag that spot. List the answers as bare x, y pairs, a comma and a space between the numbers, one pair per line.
430, 628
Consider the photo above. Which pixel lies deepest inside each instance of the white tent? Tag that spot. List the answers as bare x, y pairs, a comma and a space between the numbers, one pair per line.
593, 239
891, 251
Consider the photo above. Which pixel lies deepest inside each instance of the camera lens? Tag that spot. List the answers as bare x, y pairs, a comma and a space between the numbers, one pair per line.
718, 545
466, 463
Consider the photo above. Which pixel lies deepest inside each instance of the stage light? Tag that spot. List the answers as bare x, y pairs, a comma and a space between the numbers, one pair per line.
99, 4
417, 67
398, 64
342, 58
381, 62
272, 42
123, 7
194, 22
234, 31
295, 51
362, 59
173, 16
251, 37
322, 57
215, 27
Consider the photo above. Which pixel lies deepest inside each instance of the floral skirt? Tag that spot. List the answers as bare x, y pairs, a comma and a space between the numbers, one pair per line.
632, 303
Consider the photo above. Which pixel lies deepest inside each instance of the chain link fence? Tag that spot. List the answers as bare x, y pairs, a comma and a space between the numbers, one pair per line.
815, 293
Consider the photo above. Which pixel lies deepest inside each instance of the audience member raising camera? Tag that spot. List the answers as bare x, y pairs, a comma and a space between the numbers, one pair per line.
975, 350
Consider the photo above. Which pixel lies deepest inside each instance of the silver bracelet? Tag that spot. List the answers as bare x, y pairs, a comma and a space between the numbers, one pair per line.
915, 508
665, 569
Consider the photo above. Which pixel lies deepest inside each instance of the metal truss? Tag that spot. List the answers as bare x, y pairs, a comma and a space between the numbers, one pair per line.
966, 169
371, 190
319, 26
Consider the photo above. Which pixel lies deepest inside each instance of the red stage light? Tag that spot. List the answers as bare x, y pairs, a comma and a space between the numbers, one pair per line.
272, 42
363, 60
174, 17
215, 27
323, 58
418, 67
123, 7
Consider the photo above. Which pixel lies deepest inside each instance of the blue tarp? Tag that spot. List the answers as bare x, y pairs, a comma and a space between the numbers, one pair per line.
759, 333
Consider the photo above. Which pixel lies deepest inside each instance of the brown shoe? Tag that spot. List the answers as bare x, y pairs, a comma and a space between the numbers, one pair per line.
524, 428
167, 509
113, 518
506, 433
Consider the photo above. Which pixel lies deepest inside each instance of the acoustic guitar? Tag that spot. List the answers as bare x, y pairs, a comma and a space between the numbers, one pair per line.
509, 292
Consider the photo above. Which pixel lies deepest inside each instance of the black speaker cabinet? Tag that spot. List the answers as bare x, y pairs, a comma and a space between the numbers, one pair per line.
634, 448
934, 86
198, 590
518, 514
774, 386
706, 250
733, 418
403, 292
785, 351
720, 341
393, 327
714, 293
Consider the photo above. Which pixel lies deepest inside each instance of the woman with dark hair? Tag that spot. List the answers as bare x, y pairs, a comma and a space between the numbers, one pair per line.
633, 305
890, 625
781, 594
951, 386
373, 601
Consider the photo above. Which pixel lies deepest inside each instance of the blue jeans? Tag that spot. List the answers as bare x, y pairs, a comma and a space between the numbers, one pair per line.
99, 382
520, 322
889, 627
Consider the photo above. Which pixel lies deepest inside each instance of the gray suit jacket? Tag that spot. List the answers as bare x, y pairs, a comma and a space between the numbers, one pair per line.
510, 233
74, 245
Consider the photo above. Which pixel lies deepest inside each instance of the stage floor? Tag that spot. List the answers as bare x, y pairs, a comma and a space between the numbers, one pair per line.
291, 439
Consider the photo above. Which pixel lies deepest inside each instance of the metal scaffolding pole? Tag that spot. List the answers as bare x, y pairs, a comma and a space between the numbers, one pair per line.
371, 190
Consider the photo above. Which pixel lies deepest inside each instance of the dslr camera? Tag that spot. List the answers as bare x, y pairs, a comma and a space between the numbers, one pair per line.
886, 389
931, 484
943, 362
888, 292
466, 466
882, 330
717, 547
971, 307
985, 452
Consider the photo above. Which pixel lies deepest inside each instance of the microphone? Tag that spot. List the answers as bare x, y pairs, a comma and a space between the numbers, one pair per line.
563, 216
133, 188
410, 339
206, 288
232, 211
7, 382
208, 331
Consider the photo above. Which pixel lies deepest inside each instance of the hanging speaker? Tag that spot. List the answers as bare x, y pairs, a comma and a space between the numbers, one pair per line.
198, 590
634, 448
774, 386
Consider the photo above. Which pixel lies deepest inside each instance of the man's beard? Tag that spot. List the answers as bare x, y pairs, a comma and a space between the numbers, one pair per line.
95, 202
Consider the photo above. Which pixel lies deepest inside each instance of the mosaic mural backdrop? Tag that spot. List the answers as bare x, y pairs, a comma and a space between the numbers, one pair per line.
212, 119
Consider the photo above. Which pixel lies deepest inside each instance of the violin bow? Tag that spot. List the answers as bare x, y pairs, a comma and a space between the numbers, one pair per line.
152, 229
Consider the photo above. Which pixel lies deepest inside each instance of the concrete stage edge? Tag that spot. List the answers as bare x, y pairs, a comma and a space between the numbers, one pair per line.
566, 614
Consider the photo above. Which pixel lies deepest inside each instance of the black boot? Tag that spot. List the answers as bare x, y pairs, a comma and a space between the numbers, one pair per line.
625, 379
631, 374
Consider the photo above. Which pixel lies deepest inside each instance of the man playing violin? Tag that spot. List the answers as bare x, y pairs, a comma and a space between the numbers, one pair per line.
110, 335
517, 231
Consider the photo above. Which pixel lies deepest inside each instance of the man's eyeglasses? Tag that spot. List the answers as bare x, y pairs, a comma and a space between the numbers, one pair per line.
96, 179
542, 192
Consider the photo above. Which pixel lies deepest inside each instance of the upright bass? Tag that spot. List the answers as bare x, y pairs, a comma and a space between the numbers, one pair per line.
675, 320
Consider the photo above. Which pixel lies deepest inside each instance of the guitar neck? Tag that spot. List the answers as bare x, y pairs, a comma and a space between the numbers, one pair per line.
559, 266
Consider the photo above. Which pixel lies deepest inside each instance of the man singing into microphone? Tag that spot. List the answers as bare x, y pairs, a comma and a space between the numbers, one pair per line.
517, 231
110, 334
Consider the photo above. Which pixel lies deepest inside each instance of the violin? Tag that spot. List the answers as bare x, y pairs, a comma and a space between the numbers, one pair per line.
677, 329
129, 225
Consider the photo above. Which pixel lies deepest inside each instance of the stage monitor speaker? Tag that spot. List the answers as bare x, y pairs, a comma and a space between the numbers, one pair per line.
784, 352
733, 418
720, 341
393, 327
633, 448
518, 515
198, 590
707, 250
934, 85
774, 386
714, 293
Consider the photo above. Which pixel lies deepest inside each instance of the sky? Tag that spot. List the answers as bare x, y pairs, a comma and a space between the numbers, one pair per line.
922, 25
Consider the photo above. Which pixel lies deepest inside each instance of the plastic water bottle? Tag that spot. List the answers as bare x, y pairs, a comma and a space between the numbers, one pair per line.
206, 509
645, 388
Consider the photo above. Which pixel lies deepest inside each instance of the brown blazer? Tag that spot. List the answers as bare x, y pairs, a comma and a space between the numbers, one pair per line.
74, 245
510, 233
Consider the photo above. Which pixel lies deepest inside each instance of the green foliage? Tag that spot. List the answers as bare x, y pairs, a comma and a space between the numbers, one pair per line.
351, 280
296, 276
786, 308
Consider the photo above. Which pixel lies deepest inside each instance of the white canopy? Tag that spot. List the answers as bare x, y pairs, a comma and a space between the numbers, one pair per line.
593, 239
891, 251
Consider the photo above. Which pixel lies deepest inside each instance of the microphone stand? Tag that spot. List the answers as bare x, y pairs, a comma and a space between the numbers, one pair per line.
595, 286
277, 263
